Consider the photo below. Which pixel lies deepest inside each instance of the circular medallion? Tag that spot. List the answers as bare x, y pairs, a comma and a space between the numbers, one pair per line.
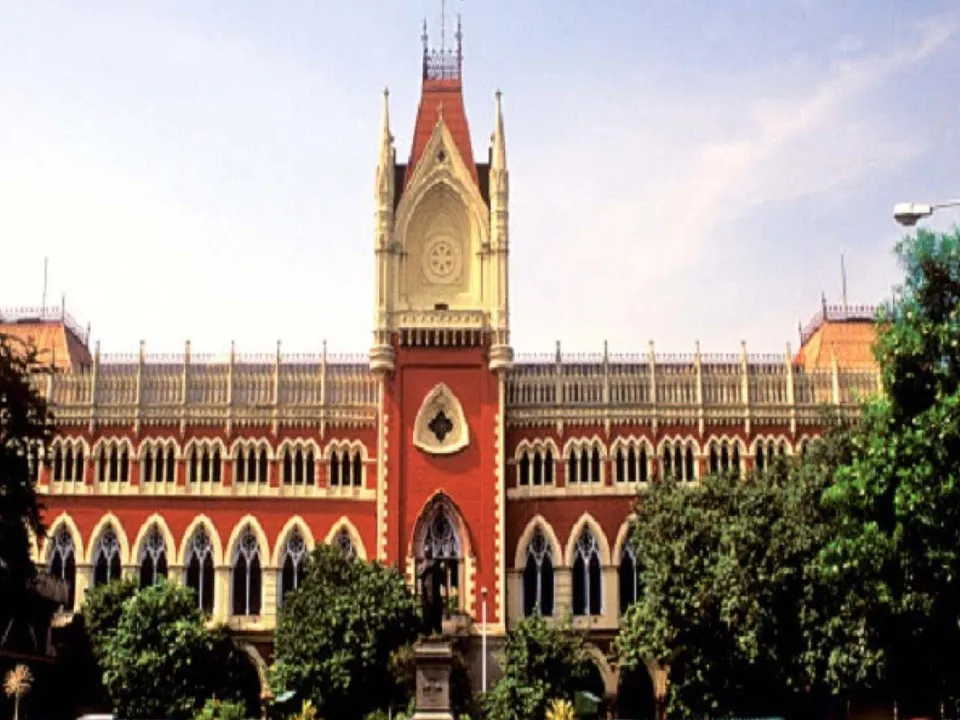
441, 260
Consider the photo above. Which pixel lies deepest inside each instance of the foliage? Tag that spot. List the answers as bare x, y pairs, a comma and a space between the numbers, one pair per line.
307, 712
16, 685
160, 660
561, 710
215, 709
336, 635
541, 662
102, 609
25, 431
731, 598
899, 498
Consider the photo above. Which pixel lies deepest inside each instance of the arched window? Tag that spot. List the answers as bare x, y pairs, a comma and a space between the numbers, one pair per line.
629, 581
205, 465
63, 562
247, 576
57, 463
586, 576
298, 466
667, 463
689, 467
538, 576
620, 463
357, 469
548, 468
440, 538
524, 468
344, 543
292, 563
200, 570
572, 467
153, 557
334, 469
106, 558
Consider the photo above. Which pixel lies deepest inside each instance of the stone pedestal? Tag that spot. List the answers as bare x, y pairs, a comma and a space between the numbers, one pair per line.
433, 659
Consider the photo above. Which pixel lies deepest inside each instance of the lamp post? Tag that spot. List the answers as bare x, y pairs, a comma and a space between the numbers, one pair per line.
483, 639
909, 213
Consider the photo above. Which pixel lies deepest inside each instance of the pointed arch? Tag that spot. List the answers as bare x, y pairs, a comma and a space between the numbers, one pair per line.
441, 404
537, 521
164, 529
586, 520
63, 519
623, 537
200, 521
108, 520
152, 443
296, 522
440, 500
237, 532
685, 440
585, 442
256, 443
344, 523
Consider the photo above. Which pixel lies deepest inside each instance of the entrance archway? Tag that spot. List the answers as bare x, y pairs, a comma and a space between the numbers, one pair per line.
440, 535
635, 694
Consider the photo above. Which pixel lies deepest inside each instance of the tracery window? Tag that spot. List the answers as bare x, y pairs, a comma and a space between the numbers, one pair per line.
247, 575
442, 542
538, 580
346, 468
535, 467
586, 575
298, 466
293, 563
113, 462
67, 461
200, 576
153, 557
677, 460
159, 463
344, 543
628, 576
205, 463
250, 465
106, 558
63, 562
632, 465
725, 457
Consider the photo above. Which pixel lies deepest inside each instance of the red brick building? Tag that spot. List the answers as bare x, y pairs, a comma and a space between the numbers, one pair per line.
221, 472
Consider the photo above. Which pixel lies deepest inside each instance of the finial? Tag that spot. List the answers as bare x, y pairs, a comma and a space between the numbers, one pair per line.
324, 350
143, 349
459, 38
558, 351
233, 350
843, 283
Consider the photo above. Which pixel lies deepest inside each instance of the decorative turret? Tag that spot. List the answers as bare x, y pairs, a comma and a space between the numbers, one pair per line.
501, 354
381, 353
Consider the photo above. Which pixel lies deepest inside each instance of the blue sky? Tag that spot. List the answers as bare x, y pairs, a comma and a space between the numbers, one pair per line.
680, 171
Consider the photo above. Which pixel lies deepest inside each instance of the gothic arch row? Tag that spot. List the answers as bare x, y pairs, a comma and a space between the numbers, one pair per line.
239, 567
161, 459
586, 574
632, 458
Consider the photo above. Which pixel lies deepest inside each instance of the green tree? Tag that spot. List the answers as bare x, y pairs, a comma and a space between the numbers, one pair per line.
338, 632
102, 609
541, 663
25, 431
899, 497
160, 660
731, 597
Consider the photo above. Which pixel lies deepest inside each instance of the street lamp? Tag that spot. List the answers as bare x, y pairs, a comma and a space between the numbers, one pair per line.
483, 639
907, 214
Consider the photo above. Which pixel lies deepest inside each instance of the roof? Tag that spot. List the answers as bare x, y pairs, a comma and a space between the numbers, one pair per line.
55, 334
847, 334
441, 97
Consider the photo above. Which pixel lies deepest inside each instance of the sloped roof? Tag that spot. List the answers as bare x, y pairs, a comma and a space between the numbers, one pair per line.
441, 97
847, 334
56, 336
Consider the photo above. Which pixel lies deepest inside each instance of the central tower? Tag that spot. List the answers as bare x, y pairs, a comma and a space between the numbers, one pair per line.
441, 339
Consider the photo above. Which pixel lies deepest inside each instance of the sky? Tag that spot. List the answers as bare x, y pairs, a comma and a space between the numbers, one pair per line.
679, 171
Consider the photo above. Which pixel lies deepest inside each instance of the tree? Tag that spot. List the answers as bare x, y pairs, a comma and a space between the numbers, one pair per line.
160, 660
102, 610
25, 432
337, 633
16, 685
731, 599
541, 663
899, 497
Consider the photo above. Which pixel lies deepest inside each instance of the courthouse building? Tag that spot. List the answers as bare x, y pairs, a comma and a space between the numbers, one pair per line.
223, 472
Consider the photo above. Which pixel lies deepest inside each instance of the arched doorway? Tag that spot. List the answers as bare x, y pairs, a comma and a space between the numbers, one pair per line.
635, 694
594, 685
439, 536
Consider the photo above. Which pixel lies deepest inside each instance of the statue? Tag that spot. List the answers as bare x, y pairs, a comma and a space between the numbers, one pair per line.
432, 580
